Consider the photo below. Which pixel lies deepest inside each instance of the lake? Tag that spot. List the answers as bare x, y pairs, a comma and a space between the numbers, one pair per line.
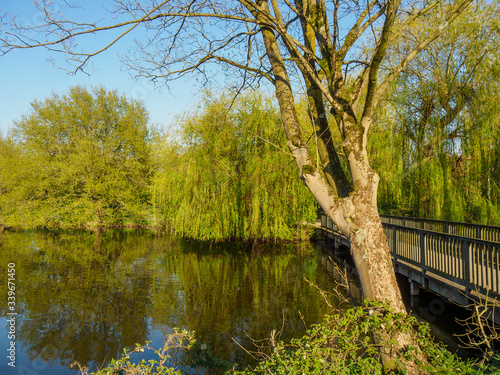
80, 296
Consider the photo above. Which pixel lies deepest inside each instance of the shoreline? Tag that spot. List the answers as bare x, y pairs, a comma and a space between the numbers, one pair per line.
162, 229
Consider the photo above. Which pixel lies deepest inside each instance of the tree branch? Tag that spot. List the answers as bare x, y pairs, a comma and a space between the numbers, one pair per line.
398, 69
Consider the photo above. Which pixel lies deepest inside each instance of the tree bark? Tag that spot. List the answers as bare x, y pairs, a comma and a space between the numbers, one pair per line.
329, 158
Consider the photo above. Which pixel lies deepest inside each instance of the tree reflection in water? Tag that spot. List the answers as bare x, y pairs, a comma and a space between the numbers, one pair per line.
85, 296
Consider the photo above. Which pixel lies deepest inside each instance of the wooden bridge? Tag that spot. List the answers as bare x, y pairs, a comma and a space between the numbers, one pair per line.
459, 261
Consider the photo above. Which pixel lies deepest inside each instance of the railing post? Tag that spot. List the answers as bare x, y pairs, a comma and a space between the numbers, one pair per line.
324, 231
447, 227
466, 263
422, 256
394, 255
478, 232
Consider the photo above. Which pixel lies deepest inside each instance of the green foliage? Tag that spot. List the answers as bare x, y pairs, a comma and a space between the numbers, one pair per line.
87, 158
80, 158
343, 344
225, 174
435, 139
199, 355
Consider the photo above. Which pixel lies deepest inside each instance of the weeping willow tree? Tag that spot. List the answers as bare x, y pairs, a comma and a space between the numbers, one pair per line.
226, 174
435, 145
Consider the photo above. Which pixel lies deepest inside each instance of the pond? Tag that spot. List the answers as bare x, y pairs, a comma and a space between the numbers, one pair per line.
83, 297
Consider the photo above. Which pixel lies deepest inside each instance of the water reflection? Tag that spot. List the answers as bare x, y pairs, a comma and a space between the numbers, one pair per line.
82, 296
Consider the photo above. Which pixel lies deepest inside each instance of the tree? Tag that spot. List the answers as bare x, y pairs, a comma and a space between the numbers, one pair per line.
237, 180
81, 157
443, 121
272, 40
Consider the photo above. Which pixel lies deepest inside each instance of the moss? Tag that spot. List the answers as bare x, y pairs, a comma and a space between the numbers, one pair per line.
296, 141
308, 169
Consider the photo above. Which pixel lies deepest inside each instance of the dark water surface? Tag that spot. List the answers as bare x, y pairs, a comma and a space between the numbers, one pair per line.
83, 297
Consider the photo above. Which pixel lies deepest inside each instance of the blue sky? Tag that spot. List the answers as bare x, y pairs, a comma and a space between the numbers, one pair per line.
27, 75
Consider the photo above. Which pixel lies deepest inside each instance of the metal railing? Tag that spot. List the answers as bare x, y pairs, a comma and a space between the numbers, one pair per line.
471, 263
483, 232
328, 224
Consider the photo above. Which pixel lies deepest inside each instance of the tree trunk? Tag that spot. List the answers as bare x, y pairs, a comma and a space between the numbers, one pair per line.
370, 251
369, 246
356, 215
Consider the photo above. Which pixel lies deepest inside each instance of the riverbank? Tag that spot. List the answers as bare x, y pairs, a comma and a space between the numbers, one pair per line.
303, 232
337, 345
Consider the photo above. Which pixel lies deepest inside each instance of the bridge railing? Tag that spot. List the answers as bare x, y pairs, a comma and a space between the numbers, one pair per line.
471, 263
483, 232
328, 224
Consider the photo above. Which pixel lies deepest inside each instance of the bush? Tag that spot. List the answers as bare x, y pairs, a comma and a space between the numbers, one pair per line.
343, 344
197, 355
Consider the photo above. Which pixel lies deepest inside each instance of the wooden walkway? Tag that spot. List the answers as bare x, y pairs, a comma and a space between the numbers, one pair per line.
457, 260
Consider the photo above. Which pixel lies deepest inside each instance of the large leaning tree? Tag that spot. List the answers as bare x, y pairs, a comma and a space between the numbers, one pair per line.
336, 48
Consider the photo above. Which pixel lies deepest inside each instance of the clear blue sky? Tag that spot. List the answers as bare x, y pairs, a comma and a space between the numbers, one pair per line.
27, 75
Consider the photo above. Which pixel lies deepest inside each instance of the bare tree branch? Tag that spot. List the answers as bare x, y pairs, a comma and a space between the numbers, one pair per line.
452, 15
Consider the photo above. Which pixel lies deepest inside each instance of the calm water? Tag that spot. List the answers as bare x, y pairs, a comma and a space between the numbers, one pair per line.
82, 297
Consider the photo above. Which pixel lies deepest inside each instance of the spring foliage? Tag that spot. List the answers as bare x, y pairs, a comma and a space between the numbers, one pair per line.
226, 175
74, 159
435, 139
88, 158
